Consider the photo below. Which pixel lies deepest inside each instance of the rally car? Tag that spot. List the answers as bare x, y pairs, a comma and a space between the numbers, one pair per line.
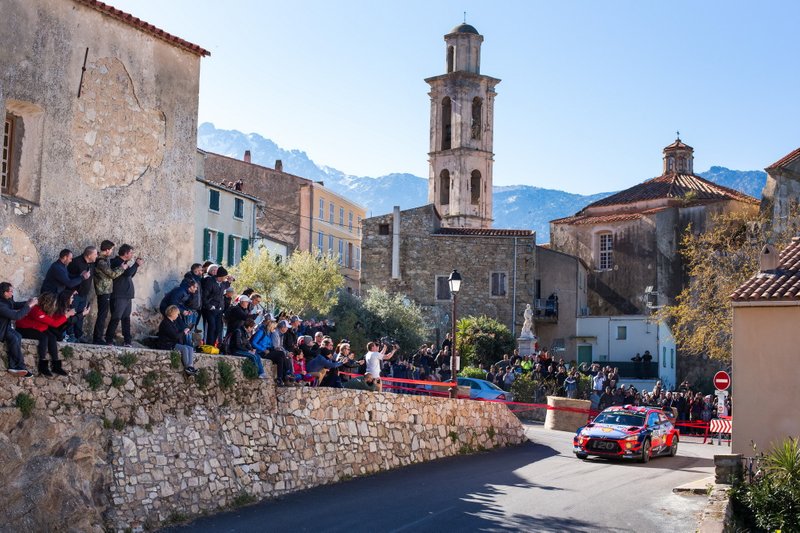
627, 432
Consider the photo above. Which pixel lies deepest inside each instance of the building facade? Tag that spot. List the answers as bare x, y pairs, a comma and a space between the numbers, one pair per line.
99, 142
766, 311
225, 220
335, 230
781, 197
461, 134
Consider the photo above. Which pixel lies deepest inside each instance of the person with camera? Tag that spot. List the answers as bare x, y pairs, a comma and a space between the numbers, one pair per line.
104, 277
376, 358
38, 324
213, 292
10, 311
122, 295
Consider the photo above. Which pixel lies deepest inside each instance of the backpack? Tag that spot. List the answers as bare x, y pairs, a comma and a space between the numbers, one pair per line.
207, 348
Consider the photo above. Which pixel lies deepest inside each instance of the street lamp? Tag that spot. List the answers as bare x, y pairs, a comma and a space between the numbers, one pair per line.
455, 285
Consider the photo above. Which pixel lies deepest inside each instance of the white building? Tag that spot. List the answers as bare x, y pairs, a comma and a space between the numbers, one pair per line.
614, 340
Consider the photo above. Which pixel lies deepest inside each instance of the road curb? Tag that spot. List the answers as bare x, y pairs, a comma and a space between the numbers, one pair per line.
718, 511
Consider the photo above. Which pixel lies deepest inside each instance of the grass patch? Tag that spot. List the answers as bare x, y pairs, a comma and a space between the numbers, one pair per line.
175, 359
227, 377
249, 369
242, 499
118, 381
107, 423
118, 424
67, 352
177, 517
490, 432
26, 404
202, 378
128, 360
453, 436
150, 379
94, 379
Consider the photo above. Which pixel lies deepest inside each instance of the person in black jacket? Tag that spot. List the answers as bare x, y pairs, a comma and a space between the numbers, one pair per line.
237, 314
80, 302
171, 335
213, 304
240, 345
58, 278
195, 305
122, 296
10, 311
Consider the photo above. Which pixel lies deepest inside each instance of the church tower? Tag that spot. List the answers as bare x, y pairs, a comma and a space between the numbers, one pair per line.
462, 114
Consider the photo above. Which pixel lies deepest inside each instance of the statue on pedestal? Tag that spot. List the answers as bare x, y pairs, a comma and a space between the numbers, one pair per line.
527, 333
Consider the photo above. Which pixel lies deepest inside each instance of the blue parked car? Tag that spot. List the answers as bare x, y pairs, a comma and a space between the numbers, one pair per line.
480, 389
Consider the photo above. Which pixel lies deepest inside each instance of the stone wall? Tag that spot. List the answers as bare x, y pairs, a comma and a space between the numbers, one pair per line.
150, 444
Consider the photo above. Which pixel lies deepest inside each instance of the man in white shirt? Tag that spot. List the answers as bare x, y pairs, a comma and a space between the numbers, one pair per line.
375, 361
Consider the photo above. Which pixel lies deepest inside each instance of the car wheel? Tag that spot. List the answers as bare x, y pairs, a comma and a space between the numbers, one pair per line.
645, 452
581, 456
673, 450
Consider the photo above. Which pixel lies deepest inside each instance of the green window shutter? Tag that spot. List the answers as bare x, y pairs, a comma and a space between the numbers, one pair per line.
220, 246
245, 247
213, 202
231, 243
206, 244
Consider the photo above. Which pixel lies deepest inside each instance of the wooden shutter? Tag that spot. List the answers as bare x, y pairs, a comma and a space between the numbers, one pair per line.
231, 250
245, 247
206, 244
220, 247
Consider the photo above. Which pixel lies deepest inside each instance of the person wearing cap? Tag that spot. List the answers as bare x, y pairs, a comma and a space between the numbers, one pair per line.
213, 304
237, 314
290, 337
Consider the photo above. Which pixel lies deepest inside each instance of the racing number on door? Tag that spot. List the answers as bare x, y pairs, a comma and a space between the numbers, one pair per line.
656, 435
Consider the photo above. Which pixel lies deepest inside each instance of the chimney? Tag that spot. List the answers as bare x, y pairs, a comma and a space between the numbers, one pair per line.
279, 165
396, 243
769, 260
247, 156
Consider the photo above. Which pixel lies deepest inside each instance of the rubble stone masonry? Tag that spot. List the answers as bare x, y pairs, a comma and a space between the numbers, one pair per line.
129, 441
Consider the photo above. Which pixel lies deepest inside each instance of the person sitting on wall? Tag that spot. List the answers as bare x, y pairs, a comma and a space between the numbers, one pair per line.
241, 347
323, 363
171, 336
10, 311
301, 375
238, 313
64, 301
37, 325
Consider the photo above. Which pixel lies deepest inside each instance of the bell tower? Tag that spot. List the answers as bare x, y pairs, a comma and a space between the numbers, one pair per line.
461, 135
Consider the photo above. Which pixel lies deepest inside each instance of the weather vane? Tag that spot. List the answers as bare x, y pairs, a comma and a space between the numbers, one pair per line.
465, 17
678, 133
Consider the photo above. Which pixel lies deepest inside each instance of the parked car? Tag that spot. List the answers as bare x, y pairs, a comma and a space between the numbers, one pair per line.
480, 389
627, 432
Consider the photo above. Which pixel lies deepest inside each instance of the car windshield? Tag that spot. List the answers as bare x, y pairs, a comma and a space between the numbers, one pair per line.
492, 386
619, 418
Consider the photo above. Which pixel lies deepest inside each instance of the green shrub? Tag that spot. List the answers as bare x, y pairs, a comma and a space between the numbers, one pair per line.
26, 404
128, 360
524, 389
94, 379
227, 377
472, 372
117, 381
67, 352
175, 359
484, 340
242, 499
106, 423
119, 424
249, 369
202, 378
150, 379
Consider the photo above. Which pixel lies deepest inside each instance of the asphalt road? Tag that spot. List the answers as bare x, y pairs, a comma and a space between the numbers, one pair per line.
539, 486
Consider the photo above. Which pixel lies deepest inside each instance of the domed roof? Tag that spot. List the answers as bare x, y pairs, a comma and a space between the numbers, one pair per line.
464, 28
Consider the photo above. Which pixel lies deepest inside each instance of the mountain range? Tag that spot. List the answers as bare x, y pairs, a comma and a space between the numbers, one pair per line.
515, 206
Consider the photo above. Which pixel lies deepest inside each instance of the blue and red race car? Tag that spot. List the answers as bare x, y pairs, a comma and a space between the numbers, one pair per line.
627, 432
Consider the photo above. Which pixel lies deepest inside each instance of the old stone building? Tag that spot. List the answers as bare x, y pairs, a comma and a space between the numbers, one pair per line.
630, 240
98, 142
287, 209
781, 197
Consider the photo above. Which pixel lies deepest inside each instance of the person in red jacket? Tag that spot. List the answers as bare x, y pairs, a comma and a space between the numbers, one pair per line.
36, 325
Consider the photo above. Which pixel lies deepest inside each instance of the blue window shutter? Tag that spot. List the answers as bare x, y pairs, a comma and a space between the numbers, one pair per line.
220, 247
213, 202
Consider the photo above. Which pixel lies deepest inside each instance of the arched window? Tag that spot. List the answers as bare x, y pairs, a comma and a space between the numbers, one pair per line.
605, 250
447, 111
475, 187
477, 113
451, 56
444, 187
670, 164
681, 163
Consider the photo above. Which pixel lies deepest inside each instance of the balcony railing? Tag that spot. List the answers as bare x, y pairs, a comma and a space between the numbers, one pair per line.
545, 310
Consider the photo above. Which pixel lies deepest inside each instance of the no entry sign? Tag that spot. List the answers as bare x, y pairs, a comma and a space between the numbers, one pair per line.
722, 380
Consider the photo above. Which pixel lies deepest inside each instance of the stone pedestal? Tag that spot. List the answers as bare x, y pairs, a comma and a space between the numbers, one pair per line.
525, 345
566, 420
728, 468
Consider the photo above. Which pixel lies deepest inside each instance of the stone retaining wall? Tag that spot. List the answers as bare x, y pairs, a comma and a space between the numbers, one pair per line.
150, 445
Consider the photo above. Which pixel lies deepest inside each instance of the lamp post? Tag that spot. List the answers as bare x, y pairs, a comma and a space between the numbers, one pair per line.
455, 285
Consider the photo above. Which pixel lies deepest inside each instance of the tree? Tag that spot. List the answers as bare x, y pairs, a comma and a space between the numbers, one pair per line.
263, 272
481, 339
718, 261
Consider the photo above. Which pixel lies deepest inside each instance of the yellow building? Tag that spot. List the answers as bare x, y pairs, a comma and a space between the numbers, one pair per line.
335, 230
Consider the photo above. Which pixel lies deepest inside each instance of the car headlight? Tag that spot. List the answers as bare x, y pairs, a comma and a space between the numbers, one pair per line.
632, 438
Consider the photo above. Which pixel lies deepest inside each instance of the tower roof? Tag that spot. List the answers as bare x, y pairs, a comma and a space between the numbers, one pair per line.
678, 144
464, 28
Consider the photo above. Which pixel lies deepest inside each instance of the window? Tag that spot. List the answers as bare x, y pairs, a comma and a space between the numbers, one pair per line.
606, 256
213, 245
359, 226
442, 288
330, 245
451, 53
213, 200
358, 258
320, 241
444, 187
341, 216
341, 251
238, 208
383, 229
498, 284
475, 187
622, 333
321, 209
477, 112
330, 213
447, 111
350, 222
234, 250
5, 170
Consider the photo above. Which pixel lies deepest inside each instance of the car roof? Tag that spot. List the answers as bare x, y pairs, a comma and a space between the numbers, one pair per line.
632, 409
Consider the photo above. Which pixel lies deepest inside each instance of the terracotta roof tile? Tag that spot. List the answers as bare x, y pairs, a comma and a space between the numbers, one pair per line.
674, 186
578, 220
785, 160
780, 284
679, 144
139, 24
485, 232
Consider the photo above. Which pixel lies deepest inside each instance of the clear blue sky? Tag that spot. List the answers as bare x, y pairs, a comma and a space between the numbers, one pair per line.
591, 91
